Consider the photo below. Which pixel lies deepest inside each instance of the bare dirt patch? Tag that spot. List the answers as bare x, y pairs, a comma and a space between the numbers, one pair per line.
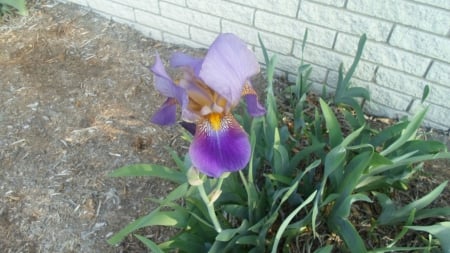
75, 100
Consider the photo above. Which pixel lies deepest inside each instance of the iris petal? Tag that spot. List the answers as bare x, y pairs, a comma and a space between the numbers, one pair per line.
254, 108
165, 85
227, 66
214, 152
190, 127
167, 114
183, 60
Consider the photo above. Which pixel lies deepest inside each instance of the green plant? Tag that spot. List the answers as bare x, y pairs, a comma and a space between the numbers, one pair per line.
306, 177
8, 6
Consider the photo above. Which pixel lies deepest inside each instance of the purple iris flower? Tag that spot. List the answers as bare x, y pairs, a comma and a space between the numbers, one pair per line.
209, 89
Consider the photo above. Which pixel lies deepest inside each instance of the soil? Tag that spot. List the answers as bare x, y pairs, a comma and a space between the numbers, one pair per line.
76, 97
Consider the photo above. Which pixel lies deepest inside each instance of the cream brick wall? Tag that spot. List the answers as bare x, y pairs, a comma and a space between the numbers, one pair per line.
408, 43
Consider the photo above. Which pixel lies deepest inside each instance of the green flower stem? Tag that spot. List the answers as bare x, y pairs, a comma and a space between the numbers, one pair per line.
244, 181
210, 207
249, 194
219, 184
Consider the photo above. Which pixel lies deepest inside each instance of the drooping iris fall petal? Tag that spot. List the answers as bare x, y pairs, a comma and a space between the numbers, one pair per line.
167, 114
254, 108
190, 127
227, 67
219, 145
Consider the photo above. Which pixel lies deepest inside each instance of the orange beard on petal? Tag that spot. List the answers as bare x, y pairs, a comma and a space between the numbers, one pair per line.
215, 120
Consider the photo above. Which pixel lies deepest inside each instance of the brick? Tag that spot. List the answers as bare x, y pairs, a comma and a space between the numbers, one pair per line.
337, 3
259, 55
439, 95
318, 73
413, 86
283, 7
291, 65
384, 54
400, 82
174, 39
250, 35
380, 110
202, 36
345, 21
161, 23
380, 95
421, 42
321, 89
332, 78
112, 8
437, 3
294, 28
437, 116
177, 2
406, 13
331, 60
386, 97
147, 5
383, 102
224, 9
189, 16
440, 73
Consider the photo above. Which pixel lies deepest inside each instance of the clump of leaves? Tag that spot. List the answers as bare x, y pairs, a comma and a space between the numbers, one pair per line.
11, 6
305, 178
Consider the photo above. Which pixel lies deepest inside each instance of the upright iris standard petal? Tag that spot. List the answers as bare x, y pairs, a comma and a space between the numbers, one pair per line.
183, 60
227, 66
219, 145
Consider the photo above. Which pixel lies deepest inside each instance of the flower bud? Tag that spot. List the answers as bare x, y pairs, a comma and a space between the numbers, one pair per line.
225, 175
193, 177
213, 196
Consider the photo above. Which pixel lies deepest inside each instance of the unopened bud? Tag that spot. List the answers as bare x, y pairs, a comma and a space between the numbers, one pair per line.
225, 175
193, 177
213, 196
